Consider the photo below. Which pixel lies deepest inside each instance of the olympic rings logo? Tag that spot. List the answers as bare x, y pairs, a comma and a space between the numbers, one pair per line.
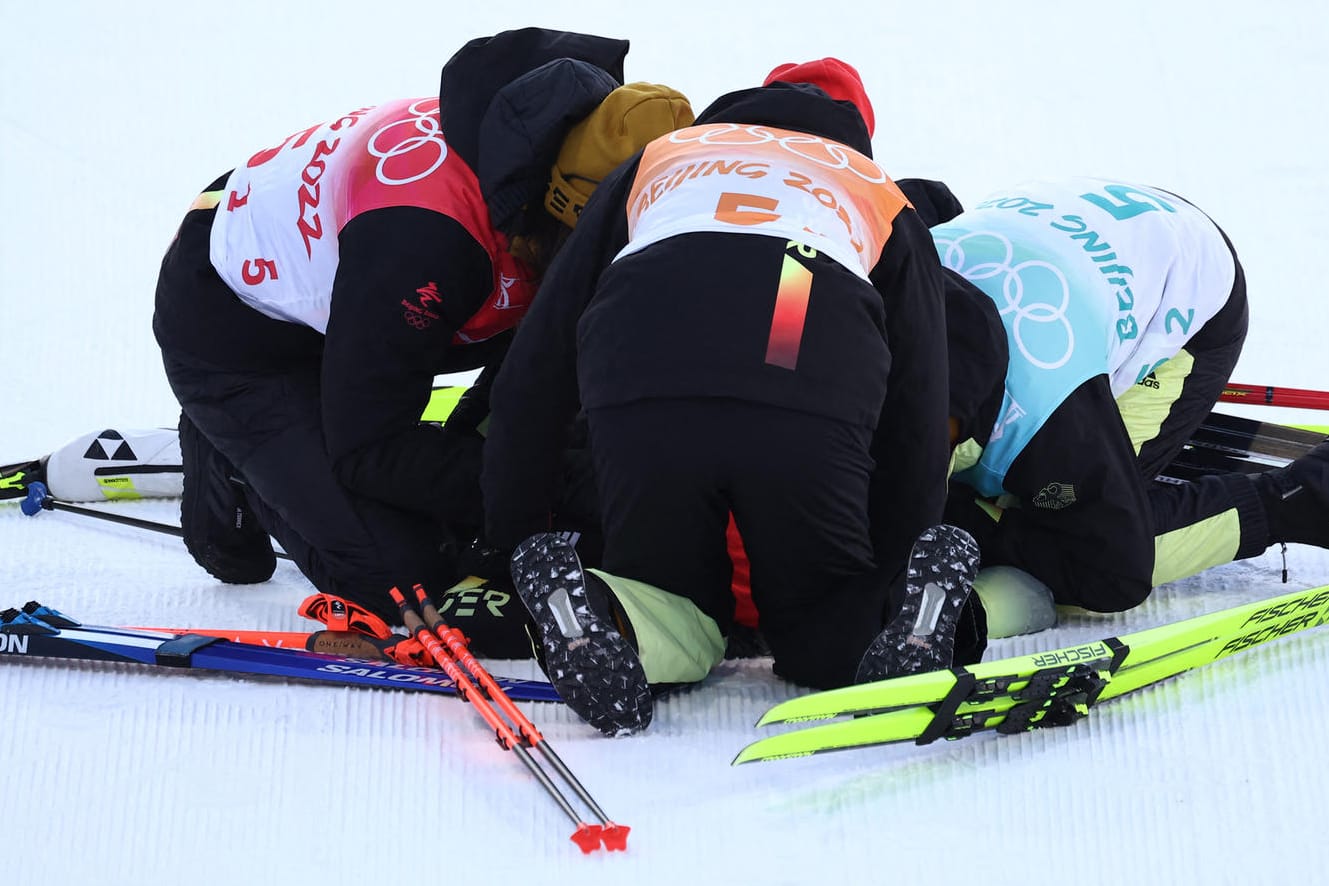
417, 320
427, 137
815, 149
1021, 285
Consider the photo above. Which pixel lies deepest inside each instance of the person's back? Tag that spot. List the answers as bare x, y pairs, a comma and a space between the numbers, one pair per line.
1090, 277
1124, 310
751, 316
314, 292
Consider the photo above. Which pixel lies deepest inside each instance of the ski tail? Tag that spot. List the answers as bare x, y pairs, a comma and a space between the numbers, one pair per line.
1248, 437
1225, 444
16, 478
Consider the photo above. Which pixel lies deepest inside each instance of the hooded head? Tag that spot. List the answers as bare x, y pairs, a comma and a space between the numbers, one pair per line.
978, 356
629, 118
523, 129
933, 200
837, 79
482, 67
506, 103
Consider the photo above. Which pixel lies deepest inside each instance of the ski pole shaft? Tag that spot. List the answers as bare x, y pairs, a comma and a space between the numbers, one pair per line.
456, 648
1268, 395
50, 504
456, 645
39, 499
586, 836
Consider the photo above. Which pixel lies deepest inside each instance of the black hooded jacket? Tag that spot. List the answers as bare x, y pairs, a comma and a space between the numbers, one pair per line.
1097, 553
506, 104
691, 316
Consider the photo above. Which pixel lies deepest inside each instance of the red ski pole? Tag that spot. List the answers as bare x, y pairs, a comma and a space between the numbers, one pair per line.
1268, 395
614, 836
587, 836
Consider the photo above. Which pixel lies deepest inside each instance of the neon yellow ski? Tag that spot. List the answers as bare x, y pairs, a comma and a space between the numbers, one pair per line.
1029, 691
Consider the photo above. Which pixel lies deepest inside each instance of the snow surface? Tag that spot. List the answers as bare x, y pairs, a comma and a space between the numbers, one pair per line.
112, 117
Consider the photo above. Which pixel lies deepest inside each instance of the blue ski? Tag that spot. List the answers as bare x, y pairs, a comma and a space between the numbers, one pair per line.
40, 632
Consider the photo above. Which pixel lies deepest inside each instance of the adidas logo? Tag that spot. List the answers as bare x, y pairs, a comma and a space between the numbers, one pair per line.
115, 443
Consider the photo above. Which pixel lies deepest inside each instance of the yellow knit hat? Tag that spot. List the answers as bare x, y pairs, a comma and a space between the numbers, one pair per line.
627, 120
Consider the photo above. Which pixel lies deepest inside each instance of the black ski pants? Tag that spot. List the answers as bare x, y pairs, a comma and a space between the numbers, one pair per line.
670, 472
251, 386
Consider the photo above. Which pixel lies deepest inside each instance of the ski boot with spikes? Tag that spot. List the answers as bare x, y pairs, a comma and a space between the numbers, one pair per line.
583, 637
921, 637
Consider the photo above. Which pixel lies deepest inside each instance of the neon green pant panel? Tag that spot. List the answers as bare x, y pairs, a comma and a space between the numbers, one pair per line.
676, 641
1145, 406
1192, 549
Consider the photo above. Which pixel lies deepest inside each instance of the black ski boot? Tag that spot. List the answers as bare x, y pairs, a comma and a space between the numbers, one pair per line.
1296, 499
581, 635
922, 636
220, 528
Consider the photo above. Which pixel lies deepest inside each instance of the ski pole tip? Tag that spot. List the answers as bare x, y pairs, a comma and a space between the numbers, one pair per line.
614, 836
587, 837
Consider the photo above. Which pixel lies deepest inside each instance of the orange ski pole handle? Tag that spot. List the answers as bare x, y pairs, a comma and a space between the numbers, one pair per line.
587, 836
614, 836
465, 688
456, 644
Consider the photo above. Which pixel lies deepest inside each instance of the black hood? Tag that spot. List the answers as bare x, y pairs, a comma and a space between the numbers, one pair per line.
798, 106
979, 353
933, 200
506, 102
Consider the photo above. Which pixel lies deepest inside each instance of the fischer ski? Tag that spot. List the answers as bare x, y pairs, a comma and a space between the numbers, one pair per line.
99, 471
37, 631
1017, 694
15, 478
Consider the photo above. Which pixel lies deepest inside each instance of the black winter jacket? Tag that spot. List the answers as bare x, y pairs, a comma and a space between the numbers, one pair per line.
691, 316
506, 102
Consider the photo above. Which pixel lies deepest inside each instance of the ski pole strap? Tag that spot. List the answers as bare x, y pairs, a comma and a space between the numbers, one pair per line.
340, 614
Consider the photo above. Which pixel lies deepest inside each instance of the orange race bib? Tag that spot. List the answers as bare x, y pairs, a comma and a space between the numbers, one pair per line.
742, 178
